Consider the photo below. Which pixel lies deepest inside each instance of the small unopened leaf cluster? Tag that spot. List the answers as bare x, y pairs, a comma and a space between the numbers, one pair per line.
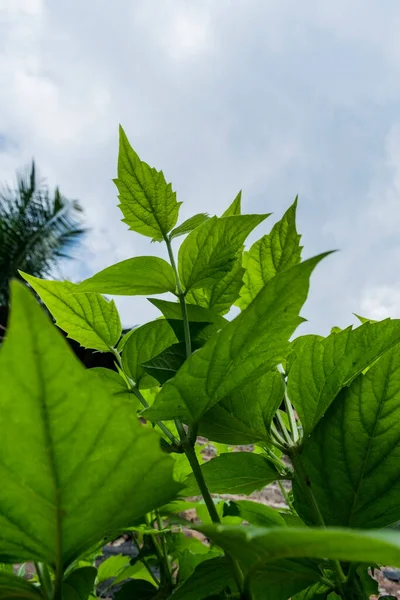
87, 455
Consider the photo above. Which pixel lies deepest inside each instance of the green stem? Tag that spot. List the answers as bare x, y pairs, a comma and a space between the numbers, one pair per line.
181, 296
188, 440
285, 433
186, 326
135, 390
145, 563
166, 578
201, 482
164, 546
292, 419
45, 580
335, 564
277, 440
285, 495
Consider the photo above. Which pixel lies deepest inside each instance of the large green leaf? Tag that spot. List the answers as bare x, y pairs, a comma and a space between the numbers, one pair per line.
79, 584
324, 367
188, 225
233, 473
244, 417
211, 250
280, 580
221, 296
255, 547
254, 512
69, 451
234, 208
145, 343
273, 253
13, 587
87, 318
256, 341
210, 577
352, 459
147, 201
114, 383
137, 276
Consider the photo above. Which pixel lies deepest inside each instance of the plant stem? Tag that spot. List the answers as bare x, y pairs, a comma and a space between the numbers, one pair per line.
45, 580
181, 296
292, 419
186, 326
285, 495
277, 440
135, 390
188, 440
144, 562
201, 482
166, 577
335, 564
164, 545
285, 433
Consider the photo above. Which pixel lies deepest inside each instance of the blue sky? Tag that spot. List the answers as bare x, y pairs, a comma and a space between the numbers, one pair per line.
273, 97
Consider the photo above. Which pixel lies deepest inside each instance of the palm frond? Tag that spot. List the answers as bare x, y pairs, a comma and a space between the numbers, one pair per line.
36, 229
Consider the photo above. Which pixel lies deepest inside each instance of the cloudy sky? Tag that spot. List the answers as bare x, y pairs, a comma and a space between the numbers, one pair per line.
274, 97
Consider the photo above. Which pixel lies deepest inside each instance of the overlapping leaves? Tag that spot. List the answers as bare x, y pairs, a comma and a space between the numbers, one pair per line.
72, 438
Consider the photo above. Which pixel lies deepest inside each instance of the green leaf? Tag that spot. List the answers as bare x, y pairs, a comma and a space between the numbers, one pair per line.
16, 587
297, 348
318, 591
188, 561
139, 589
79, 584
209, 577
6, 568
273, 253
282, 579
147, 201
137, 570
255, 547
244, 417
188, 225
254, 512
125, 338
233, 473
368, 583
165, 365
137, 276
235, 207
203, 323
64, 480
196, 314
211, 250
364, 319
326, 366
89, 319
114, 383
352, 459
145, 343
253, 343
111, 567
223, 295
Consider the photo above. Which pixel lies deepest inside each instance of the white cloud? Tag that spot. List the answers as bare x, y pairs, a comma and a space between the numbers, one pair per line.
271, 96
381, 302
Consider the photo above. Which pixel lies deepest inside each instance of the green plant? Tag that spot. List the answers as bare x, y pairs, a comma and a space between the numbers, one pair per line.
79, 468
37, 229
